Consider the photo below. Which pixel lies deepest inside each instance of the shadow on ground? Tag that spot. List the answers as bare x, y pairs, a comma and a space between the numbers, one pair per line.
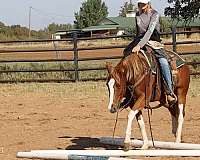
83, 143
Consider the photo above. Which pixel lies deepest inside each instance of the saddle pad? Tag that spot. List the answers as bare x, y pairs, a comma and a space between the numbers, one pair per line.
169, 55
179, 63
179, 60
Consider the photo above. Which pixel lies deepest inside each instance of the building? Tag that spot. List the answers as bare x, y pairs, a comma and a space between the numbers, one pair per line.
64, 34
111, 26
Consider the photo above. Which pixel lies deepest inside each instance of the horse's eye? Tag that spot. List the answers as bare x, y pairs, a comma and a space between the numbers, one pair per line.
117, 85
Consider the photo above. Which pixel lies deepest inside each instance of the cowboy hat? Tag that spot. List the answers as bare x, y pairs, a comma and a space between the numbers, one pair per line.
143, 1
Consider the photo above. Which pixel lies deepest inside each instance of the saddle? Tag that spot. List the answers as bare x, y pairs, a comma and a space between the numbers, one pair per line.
175, 62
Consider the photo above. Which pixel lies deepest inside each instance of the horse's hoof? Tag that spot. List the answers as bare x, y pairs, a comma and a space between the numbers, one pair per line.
178, 141
145, 147
126, 147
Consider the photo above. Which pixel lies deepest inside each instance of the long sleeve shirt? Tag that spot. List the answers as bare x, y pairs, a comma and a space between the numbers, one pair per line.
146, 24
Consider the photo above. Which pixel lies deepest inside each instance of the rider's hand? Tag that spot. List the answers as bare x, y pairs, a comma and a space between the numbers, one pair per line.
136, 49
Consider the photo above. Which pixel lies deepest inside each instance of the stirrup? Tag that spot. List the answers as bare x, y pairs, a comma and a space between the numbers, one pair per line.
171, 100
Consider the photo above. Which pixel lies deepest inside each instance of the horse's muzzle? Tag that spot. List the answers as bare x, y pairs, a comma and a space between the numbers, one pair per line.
115, 108
118, 106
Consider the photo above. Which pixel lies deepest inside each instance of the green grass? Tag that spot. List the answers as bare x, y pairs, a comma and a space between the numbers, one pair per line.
18, 76
79, 89
194, 87
193, 58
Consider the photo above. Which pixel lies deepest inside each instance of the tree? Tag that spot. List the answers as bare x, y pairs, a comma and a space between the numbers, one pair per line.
90, 13
2, 24
53, 27
165, 24
17, 32
128, 6
183, 9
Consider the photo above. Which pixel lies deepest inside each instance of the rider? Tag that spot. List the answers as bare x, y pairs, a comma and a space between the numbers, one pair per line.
148, 28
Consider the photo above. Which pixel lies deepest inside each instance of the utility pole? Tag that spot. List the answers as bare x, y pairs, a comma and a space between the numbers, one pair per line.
29, 22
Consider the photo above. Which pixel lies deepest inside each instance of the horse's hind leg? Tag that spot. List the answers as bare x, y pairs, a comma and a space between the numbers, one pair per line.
177, 115
127, 140
174, 121
181, 92
140, 121
180, 122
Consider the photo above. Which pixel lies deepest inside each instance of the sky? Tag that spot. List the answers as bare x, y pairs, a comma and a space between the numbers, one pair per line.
44, 12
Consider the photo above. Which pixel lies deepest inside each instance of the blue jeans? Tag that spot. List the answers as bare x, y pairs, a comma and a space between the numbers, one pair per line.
166, 73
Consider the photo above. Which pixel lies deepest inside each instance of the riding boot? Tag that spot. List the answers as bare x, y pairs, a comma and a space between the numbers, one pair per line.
171, 100
171, 97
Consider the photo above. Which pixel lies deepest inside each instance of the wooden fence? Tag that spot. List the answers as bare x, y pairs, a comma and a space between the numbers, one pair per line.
76, 59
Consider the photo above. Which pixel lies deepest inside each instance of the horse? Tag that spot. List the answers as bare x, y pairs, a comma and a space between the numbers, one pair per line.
133, 72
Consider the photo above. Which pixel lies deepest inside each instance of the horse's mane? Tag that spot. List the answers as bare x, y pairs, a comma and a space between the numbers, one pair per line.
132, 65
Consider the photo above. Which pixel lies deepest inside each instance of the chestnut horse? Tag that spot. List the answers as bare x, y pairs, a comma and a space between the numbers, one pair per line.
133, 71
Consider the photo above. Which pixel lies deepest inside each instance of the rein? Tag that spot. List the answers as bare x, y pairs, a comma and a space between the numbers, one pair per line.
139, 81
116, 120
131, 90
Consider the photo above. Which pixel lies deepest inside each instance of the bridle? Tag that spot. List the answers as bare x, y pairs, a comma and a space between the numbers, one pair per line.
131, 89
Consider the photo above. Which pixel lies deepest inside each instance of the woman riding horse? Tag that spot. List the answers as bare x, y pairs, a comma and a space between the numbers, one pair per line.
131, 75
148, 28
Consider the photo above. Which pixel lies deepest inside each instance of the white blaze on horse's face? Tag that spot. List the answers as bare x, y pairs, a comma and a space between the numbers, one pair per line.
111, 84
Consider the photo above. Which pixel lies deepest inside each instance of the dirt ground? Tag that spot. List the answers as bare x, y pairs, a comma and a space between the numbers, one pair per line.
73, 115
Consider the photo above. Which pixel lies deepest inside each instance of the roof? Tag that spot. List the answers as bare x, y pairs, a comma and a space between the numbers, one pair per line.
113, 23
100, 27
181, 23
129, 22
123, 22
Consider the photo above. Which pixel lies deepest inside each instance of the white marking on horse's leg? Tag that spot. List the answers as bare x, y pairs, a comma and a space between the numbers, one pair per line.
143, 131
131, 116
180, 123
111, 89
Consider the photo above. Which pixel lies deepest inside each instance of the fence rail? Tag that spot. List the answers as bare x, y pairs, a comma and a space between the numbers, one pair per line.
76, 59
87, 48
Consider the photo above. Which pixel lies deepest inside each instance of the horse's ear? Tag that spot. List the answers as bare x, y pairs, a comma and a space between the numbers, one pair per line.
109, 67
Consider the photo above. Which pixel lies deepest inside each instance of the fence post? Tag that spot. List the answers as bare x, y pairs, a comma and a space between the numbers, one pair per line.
75, 56
174, 38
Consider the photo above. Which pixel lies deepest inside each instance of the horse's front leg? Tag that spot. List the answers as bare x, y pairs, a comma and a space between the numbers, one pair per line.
140, 121
127, 140
177, 116
139, 104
